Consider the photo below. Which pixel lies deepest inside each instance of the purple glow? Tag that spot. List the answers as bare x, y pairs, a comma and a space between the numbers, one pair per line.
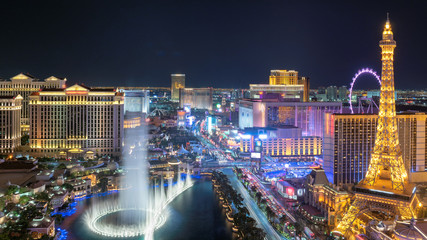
360, 72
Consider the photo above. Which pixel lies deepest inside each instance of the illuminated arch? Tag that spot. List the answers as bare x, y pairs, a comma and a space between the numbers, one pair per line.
360, 72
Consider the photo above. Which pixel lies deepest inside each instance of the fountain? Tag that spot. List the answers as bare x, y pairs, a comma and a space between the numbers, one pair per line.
139, 209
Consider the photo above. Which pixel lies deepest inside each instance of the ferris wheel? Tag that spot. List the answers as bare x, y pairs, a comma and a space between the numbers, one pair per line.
362, 100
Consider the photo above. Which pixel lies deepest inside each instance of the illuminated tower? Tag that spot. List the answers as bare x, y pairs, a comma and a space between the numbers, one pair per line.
386, 158
385, 187
177, 82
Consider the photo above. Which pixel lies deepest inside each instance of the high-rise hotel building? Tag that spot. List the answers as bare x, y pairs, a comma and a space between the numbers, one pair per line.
177, 82
10, 119
76, 120
348, 140
24, 85
275, 113
284, 82
200, 98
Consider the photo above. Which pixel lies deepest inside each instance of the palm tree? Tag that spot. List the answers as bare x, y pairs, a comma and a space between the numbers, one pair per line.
258, 196
243, 210
270, 212
263, 201
103, 184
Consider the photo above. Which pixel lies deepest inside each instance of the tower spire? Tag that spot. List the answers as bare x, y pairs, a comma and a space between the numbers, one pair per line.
385, 185
386, 157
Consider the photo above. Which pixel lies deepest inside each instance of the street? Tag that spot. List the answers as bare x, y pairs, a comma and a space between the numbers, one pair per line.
253, 208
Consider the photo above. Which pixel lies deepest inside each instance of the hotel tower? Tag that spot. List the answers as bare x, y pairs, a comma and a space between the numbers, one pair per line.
76, 121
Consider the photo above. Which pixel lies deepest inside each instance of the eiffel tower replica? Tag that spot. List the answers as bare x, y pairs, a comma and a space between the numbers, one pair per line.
385, 187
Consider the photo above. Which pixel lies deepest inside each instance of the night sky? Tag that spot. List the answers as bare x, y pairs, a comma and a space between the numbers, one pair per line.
215, 43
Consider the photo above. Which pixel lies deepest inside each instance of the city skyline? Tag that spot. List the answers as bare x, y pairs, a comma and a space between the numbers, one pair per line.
214, 44
88, 153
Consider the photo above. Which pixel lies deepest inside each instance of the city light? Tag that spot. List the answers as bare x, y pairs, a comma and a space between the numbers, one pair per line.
360, 72
246, 136
386, 156
262, 136
278, 153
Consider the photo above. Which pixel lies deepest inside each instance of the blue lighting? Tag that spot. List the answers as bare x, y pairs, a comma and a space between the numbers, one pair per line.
63, 234
72, 207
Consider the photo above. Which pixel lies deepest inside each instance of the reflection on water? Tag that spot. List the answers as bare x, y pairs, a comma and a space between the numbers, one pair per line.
195, 214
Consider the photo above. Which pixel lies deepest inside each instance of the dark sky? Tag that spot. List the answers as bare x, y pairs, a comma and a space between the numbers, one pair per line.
215, 43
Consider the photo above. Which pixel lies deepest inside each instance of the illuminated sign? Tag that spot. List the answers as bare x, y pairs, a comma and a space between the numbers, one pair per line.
290, 191
190, 120
209, 125
262, 136
246, 136
258, 146
256, 155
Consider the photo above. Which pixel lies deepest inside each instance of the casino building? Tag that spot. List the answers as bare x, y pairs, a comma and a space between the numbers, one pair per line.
24, 84
285, 82
76, 121
200, 98
177, 82
275, 113
280, 142
349, 139
10, 119
136, 106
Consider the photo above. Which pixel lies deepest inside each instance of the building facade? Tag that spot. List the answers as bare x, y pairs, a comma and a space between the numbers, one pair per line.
342, 93
25, 84
285, 82
76, 121
332, 201
280, 142
273, 113
331, 93
200, 98
136, 100
10, 123
177, 82
349, 139
285, 147
136, 106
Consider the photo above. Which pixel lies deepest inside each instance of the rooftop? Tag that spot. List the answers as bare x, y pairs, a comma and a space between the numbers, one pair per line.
312, 210
43, 222
12, 165
318, 177
20, 179
285, 184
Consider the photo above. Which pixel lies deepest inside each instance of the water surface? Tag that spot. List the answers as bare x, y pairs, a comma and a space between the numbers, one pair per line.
194, 215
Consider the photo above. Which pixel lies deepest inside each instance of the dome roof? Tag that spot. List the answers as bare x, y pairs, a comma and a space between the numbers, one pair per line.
173, 161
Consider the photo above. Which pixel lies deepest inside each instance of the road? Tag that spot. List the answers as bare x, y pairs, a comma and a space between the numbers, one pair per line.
290, 216
249, 202
253, 208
